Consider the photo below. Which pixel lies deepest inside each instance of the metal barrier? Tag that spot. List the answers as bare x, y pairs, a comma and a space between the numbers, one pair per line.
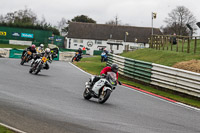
167, 77
176, 79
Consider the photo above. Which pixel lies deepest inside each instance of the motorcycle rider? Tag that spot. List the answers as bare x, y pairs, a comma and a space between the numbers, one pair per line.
48, 55
39, 51
105, 51
80, 52
114, 68
31, 49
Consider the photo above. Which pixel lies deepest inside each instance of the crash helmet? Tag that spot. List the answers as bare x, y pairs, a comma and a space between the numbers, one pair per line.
32, 46
104, 49
42, 45
114, 68
47, 50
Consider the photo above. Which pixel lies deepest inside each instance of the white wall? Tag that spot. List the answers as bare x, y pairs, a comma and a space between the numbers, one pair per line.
73, 43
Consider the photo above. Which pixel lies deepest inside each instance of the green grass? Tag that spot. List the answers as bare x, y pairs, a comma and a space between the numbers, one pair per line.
5, 130
167, 58
94, 66
13, 46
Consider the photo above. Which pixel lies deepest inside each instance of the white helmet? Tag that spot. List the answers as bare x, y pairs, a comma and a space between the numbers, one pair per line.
42, 45
47, 50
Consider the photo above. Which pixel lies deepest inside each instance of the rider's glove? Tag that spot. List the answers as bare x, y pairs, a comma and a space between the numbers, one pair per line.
103, 75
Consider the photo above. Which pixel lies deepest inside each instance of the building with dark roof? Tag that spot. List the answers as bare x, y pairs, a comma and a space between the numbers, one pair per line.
115, 38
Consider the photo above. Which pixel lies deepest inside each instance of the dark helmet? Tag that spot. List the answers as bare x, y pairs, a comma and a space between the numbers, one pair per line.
114, 68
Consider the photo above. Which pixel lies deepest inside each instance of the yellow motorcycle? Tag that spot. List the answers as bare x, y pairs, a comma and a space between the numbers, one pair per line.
26, 57
39, 64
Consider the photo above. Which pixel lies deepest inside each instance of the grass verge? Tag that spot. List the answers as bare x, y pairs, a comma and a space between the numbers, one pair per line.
5, 130
93, 65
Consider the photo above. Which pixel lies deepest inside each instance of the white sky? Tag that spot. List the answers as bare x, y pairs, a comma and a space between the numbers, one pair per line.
132, 12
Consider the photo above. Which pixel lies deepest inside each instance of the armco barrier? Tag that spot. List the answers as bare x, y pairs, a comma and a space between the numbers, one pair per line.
167, 77
15, 53
5, 52
134, 69
66, 56
176, 79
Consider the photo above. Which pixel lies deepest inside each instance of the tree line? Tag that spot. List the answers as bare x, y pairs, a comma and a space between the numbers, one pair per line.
176, 21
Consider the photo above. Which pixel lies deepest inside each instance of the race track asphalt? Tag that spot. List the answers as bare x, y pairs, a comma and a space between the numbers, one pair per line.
52, 102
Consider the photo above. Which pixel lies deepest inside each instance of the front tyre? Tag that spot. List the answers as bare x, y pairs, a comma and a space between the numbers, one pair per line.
22, 62
73, 59
38, 69
104, 96
86, 94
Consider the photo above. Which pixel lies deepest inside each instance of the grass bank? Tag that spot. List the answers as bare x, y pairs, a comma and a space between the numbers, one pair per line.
13, 46
167, 58
94, 66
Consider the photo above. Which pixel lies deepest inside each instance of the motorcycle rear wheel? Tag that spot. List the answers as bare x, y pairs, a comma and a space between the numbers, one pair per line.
86, 94
104, 96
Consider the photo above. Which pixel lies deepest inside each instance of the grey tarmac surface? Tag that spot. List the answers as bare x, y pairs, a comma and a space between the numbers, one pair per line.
52, 102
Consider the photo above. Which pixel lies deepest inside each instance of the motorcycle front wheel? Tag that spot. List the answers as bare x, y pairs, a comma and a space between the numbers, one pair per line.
86, 94
73, 58
104, 96
38, 69
22, 61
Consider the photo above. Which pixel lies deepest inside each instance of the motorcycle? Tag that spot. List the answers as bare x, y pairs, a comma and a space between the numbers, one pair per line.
103, 57
26, 57
77, 57
102, 89
39, 64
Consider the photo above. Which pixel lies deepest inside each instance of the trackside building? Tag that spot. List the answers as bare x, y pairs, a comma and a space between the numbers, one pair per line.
115, 39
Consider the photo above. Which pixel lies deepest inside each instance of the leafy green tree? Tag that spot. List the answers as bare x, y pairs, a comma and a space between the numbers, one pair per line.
83, 18
26, 19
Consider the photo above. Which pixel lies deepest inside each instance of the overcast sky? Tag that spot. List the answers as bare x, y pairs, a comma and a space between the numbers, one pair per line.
132, 12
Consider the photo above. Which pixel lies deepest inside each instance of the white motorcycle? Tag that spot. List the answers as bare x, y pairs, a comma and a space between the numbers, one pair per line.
102, 88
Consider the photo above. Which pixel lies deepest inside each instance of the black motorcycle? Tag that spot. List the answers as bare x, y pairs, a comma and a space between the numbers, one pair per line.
77, 57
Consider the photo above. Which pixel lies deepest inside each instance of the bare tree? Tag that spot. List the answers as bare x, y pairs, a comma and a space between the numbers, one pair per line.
61, 25
177, 20
114, 22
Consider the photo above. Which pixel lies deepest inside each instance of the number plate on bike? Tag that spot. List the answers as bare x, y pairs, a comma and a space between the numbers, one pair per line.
44, 59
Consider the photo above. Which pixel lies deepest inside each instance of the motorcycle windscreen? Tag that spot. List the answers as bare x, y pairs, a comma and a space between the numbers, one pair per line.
112, 77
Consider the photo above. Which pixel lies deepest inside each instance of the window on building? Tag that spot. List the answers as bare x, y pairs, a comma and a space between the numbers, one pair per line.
75, 45
78, 40
98, 42
75, 40
117, 47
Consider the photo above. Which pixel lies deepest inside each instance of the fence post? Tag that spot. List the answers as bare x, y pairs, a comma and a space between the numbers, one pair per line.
195, 44
171, 44
188, 47
183, 41
167, 42
177, 40
159, 42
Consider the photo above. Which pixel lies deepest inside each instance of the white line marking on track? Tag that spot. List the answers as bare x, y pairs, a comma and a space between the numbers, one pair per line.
12, 128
